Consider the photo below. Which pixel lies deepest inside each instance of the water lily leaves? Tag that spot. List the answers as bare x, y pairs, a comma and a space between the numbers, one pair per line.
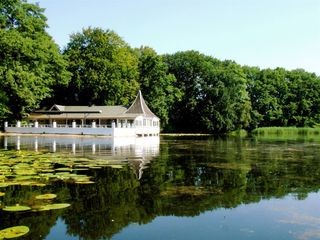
25, 172
16, 208
13, 232
80, 169
115, 166
53, 206
47, 196
27, 168
84, 182
95, 167
40, 184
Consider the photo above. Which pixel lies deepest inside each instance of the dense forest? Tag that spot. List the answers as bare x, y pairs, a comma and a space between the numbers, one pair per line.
189, 91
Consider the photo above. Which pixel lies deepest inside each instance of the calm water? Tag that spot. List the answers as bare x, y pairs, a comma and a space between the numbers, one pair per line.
168, 188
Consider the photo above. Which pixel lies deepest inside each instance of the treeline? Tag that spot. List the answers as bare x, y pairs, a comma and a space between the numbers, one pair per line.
189, 91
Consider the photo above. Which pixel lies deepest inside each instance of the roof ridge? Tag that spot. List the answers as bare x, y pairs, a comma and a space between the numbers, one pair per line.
139, 106
141, 102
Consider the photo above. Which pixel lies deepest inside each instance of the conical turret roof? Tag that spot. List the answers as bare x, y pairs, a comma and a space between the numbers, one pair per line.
139, 106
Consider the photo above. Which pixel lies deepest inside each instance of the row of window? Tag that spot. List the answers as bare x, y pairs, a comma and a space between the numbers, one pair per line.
144, 122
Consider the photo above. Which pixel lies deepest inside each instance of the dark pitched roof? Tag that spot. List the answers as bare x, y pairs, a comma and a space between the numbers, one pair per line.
79, 112
139, 106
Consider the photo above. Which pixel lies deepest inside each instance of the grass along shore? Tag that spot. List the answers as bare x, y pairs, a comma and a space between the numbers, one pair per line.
287, 131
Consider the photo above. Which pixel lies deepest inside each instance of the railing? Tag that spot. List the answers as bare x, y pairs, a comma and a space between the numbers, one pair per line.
93, 129
71, 126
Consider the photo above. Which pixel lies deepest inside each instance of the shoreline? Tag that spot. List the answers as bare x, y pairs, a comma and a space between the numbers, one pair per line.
54, 135
102, 136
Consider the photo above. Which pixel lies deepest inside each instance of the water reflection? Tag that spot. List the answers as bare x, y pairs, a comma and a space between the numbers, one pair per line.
136, 146
185, 177
138, 151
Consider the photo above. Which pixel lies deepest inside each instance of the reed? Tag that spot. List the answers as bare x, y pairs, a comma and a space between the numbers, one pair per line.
287, 131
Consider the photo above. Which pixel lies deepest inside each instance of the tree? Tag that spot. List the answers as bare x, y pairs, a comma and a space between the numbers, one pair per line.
214, 99
302, 103
283, 98
189, 68
227, 95
267, 90
104, 69
30, 61
156, 84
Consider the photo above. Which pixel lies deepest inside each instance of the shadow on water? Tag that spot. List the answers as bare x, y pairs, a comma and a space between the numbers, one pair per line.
180, 176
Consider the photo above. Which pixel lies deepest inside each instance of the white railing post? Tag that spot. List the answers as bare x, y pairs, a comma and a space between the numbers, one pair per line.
18, 143
73, 124
18, 124
5, 124
5, 143
54, 146
36, 124
93, 148
54, 124
113, 125
93, 124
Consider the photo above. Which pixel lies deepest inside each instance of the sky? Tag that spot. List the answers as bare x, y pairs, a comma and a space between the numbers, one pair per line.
263, 33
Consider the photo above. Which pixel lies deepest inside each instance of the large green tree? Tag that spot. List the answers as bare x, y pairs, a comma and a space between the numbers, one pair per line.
104, 68
214, 100
268, 90
30, 61
157, 85
283, 98
302, 102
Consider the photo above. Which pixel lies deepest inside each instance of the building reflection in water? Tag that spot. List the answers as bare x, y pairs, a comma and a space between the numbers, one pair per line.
139, 151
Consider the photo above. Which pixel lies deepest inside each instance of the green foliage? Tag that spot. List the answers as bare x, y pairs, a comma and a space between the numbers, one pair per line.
189, 91
293, 133
30, 62
283, 98
302, 106
156, 84
104, 69
214, 100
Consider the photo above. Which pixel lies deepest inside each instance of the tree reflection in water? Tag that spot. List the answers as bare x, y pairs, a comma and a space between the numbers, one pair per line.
180, 177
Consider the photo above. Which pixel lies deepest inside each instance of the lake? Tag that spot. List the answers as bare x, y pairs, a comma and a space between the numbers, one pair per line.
182, 187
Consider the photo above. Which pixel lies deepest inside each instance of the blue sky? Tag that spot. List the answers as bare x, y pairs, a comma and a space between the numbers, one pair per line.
264, 33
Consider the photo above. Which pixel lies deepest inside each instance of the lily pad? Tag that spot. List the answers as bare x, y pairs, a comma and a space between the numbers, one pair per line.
16, 208
84, 182
28, 183
115, 166
95, 167
40, 185
80, 169
54, 206
14, 232
3, 185
47, 196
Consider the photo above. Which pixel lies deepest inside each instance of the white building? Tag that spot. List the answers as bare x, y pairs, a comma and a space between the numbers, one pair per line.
137, 120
